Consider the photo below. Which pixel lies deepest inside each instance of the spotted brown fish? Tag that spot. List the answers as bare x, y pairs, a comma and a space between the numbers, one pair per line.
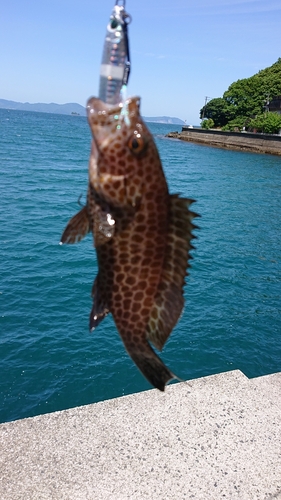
142, 235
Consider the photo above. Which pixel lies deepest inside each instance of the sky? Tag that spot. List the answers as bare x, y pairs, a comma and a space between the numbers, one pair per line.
181, 51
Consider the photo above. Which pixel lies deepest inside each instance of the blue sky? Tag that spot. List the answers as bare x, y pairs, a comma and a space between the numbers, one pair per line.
181, 50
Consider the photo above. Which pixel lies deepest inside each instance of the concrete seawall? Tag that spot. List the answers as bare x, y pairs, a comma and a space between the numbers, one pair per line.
256, 143
217, 437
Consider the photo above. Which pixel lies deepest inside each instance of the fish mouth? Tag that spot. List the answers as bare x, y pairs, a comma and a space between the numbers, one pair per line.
105, 120
102, 114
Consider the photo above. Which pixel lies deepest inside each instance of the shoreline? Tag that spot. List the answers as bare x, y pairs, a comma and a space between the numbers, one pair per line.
236, 141
216, 438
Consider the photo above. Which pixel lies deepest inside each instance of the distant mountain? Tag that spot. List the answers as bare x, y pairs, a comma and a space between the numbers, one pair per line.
64, 109
164, 119
73, 109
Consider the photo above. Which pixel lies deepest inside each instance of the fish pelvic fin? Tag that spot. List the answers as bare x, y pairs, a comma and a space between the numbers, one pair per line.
99, 309
150, 365
169, 302
77, 228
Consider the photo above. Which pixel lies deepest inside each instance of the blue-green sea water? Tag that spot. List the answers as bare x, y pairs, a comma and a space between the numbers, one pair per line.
48, 359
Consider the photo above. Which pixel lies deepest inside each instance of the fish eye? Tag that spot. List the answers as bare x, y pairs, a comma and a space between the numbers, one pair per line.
137, 144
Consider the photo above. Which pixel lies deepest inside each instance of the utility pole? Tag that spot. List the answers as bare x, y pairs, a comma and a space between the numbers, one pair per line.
206, 100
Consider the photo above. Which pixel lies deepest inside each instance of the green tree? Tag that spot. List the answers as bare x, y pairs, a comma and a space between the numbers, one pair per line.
268, 123
245, 99
237, 123
218, 110
207, 123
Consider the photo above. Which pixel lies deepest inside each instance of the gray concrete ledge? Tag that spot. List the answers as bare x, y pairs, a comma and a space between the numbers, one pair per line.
217, 437
238, 141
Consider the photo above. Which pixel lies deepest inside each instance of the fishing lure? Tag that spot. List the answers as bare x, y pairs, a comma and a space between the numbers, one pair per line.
115, 65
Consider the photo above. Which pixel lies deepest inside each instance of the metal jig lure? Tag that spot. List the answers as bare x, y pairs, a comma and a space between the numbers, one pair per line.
115, 65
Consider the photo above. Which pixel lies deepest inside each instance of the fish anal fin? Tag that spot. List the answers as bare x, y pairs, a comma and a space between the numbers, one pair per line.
77, 228
168, 302
164, 315
99, 309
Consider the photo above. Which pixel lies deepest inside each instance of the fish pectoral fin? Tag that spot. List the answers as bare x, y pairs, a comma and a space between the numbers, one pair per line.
99, 309
168, 301
77, 228
151, 366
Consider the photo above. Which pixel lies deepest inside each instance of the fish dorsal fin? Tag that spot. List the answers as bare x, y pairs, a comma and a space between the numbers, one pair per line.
168, 302
99, 309
77, 228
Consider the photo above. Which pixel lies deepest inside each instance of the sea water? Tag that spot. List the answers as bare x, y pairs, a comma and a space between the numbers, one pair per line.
48, 359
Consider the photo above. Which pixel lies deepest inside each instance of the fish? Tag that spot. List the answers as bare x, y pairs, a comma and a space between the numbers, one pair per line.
142, 235
115, 64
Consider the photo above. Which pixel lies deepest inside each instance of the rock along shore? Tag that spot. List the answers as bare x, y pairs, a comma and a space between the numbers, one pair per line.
213, 438
239, 141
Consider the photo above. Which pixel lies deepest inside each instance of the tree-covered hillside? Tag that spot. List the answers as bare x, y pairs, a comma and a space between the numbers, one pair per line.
245, 100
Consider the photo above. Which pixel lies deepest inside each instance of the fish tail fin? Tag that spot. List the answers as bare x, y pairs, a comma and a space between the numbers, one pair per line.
150, 365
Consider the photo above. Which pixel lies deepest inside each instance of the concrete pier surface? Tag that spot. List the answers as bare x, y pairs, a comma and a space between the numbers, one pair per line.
217, 437
237, 141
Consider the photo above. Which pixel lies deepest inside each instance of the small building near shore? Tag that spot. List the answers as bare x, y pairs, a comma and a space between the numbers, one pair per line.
275, 105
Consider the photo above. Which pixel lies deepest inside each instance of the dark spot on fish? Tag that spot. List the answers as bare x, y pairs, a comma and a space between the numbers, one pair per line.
132, 190
117, 146
135, 307
124, 256
135, 318
142, 285
150, 195
146, 261
130, 167
135, 259
154, 314
131, 280
127, 304
138, 238
138, 296
145, 311
150, 205
147, 252
140, 217
155, 263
